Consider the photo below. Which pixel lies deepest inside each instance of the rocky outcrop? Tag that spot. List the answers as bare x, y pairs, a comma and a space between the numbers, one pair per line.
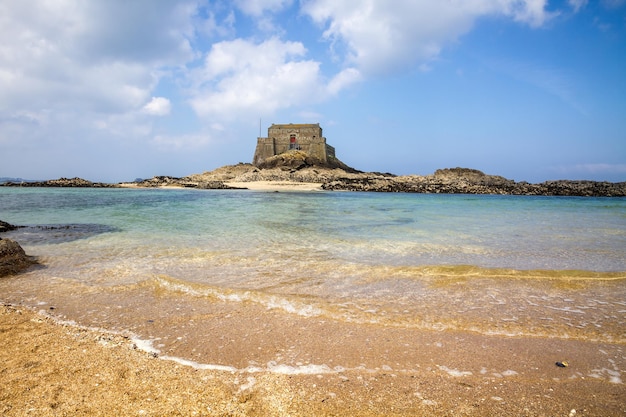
216, 185
250, 173
297, 166
61, 182
443, 181
13, 259
5, 227
296, 159
163, 181
471, 181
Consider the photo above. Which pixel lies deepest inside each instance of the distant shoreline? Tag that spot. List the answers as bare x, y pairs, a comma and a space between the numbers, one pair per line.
313, 178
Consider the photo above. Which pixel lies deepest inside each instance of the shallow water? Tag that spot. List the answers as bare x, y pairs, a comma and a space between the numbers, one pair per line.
127, 260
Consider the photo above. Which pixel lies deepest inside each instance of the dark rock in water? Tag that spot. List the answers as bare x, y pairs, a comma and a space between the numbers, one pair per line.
57, 233
216, 185
61, 182
5, 227
472, 181
13, 259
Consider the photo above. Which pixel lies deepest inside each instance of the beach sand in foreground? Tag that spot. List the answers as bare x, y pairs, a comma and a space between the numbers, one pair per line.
51, 368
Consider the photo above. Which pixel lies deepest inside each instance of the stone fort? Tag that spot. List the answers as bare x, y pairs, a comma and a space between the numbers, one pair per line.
282, 138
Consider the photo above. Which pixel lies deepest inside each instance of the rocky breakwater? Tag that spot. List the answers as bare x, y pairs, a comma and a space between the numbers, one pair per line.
13, 259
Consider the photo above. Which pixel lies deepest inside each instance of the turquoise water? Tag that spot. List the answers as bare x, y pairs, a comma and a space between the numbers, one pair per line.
498, 265
376, 229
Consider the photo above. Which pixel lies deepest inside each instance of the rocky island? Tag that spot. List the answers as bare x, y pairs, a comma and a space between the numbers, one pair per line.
294, 167
298, 155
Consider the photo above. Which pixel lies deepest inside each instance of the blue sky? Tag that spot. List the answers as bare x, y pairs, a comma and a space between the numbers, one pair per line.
532, 90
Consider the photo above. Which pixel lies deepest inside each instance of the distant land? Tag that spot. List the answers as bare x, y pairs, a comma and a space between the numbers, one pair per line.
15, 180
296, 167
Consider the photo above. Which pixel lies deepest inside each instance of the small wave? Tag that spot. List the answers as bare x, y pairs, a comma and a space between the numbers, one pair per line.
270, 301
272, 366
471, 271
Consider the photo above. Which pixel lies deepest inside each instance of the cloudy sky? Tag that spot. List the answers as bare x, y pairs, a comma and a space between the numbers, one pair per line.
114, 90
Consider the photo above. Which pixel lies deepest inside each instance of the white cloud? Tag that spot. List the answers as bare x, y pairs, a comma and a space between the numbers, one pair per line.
381, 37
243, 77
263, 12
94, 56
158, 106
577, 4
181, 142
258, 7
344, 79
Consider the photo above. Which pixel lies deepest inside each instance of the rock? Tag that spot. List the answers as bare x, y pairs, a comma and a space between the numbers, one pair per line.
298, 166
216, 185
5, 227
296, 160
61, 182
471, 181
13, 259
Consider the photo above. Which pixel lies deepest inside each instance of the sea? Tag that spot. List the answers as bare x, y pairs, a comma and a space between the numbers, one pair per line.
176, 269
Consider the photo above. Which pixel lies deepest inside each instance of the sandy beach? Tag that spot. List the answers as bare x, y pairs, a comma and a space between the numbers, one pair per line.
269, 186
51, 368
276, 186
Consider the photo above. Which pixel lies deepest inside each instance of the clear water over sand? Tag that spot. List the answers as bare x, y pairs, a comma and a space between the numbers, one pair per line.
242, 279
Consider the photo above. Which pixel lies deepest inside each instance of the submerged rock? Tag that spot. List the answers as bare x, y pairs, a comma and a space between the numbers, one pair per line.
57, 233
13, 259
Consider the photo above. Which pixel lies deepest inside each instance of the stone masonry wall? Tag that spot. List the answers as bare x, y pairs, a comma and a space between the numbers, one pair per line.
308, 138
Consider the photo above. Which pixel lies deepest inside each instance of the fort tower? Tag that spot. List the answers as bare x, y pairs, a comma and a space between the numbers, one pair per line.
282, 138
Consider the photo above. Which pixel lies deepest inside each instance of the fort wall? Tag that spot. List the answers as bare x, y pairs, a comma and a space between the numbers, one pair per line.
284, 137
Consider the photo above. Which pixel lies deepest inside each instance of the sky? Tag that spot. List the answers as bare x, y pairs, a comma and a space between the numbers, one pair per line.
115, 90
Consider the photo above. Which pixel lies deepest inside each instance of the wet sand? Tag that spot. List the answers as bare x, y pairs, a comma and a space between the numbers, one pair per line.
51, 368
